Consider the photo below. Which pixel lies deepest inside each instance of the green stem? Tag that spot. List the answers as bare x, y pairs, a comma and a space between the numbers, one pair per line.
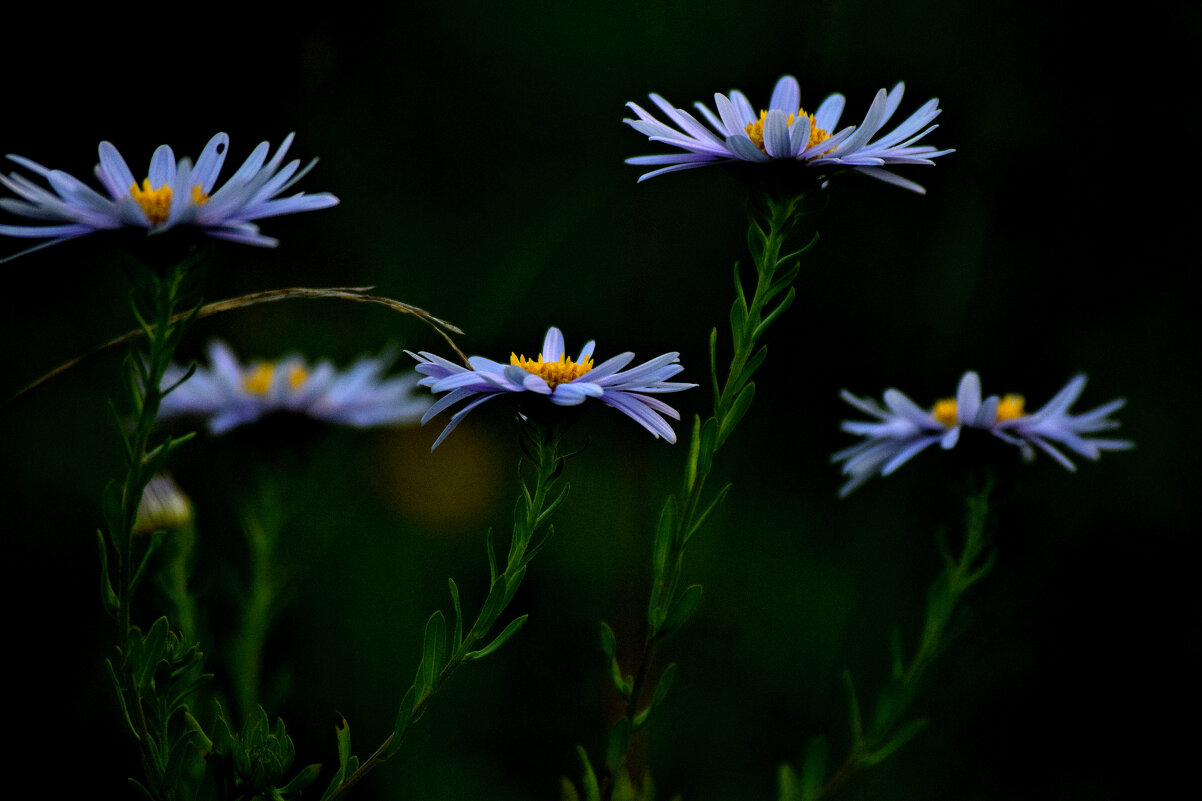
541, 446
144, 371
961, 572
772, 221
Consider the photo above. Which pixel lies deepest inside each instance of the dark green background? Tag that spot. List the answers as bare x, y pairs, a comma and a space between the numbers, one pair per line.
477, 150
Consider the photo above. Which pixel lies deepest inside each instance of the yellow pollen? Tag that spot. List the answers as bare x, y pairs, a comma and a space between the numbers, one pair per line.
945, 412
1011, 407
297, 376
258, 380
157, 202
755, 130
554, 373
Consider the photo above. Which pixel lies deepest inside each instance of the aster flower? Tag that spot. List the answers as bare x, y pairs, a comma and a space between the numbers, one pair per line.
784, 131
564, 381
163, 507
230, 394
903, 429
172, 194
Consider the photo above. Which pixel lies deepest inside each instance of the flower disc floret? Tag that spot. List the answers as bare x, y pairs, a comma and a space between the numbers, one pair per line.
902, 429
785, 132
173, 193
562, 380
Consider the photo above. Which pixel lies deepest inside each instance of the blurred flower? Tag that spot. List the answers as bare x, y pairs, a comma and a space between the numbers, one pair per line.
786, 132
229, 394
164, 506
565, 382
173, 193
904, 429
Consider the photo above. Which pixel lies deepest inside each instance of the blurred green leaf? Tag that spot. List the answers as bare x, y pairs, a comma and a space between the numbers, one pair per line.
813, 769
500, 640
681, 611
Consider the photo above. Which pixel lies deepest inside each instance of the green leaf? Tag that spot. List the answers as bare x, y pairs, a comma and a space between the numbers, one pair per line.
457, 638
789, 789
714, 362
493, 605
813, 769
777, 311
749, 369
120, 693
681, 611
701, 518
434, 648
302, 780
609, 644
500, 640
738, 322
154, 646
492, 558
588, 782
853, 710
664, 543
552, 506
661, 691
708, 432
737, 410
343, 733
907, 733
107, 596
404, 718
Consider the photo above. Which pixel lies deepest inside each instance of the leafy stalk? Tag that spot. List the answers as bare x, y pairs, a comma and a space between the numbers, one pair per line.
156, 671
442, 656
772, 220
888, 729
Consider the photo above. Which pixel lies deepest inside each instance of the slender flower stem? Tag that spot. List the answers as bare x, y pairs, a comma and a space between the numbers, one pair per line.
887, 732
144, 370
772, 221
540, 443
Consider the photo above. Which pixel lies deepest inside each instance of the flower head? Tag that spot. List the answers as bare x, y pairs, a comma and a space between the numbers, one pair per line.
163, 507
784, 131
903, 429
230, 394
173, 193
563, 380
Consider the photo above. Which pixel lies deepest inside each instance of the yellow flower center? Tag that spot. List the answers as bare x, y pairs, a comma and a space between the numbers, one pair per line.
157, 202
554, 373
1010, 407
258, 380
755, 130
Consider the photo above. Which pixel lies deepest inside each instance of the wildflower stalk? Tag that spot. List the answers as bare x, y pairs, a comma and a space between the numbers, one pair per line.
156, 671
773, 218
262, 524
542, 464
887, 729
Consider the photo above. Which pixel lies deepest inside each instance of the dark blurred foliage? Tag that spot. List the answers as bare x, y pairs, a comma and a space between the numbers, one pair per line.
477, 149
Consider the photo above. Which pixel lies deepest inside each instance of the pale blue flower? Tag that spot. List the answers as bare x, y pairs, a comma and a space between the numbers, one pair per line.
784, 131
903, 429
173, 193
564, 381
230, 394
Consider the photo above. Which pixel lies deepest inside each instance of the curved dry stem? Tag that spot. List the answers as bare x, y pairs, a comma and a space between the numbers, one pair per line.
442, 327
